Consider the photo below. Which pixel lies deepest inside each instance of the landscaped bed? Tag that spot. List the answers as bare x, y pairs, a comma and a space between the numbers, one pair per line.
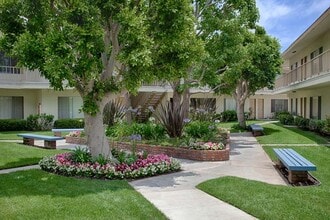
128, 165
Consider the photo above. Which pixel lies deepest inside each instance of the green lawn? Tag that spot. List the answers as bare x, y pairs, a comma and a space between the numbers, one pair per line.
16, 155
266, 201
12, 135
35, 194
233, 126
277, 134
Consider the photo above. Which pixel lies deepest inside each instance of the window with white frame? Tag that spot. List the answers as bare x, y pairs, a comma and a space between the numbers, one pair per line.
8, 64
279, 105
69, 107
230, 104
11, 107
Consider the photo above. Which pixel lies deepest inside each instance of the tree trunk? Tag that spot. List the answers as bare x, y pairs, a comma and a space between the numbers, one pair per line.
186, 103
240, 114
95, 133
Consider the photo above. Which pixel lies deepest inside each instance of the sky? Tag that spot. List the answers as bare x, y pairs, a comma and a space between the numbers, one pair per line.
286, 20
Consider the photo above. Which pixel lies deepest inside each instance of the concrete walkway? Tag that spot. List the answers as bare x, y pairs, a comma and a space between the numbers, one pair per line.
176, 196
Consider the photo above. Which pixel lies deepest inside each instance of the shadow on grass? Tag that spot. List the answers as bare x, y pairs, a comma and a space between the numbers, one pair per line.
38, 183
269, 131
21, 163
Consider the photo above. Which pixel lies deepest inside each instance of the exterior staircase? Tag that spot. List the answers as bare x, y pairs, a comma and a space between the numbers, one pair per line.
150, 101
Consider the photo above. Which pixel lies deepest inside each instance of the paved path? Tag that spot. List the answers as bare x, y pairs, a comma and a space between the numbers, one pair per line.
176, 196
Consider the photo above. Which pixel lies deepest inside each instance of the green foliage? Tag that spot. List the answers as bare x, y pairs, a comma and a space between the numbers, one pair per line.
228, 115
12, 125
201, 130
327, 125
148, 131
172, 121
69, 123
40, 122
286, 118
81, 155
113, 112
301, 122
316, 125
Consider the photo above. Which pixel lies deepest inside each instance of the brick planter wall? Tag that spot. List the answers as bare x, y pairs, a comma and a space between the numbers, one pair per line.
200, 155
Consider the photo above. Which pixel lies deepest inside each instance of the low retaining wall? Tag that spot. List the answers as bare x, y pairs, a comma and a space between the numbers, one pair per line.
200, 155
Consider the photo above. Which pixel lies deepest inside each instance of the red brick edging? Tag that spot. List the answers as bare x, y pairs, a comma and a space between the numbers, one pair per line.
200, 155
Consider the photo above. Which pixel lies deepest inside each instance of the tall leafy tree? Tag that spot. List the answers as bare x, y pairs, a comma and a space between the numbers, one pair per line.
98, 47
241, 57
177, 49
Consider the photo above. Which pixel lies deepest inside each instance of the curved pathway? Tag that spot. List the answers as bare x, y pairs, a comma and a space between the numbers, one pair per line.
176, 196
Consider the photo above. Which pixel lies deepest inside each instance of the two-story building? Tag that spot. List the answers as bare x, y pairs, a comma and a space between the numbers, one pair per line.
306, 77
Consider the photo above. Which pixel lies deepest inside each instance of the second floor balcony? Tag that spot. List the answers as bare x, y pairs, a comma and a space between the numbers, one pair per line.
319, 66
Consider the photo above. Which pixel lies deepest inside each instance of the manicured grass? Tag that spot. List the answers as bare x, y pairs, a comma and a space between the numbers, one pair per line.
35, 194
266, 201
12, 135
16, 155
234, 127
277, 134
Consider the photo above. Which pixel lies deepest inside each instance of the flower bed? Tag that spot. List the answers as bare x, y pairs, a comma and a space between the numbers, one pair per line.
143, 166
177, 152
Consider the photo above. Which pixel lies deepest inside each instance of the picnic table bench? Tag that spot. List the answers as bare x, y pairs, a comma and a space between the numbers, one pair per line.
297, 165
257, 130
49, 141
58, 131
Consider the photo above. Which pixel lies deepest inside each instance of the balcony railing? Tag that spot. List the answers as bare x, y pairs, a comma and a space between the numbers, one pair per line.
317, 66
10, 74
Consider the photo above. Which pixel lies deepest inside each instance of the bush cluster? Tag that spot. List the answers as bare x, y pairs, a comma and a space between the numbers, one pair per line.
39, 122
13, 125
285, 118
319, 126
201, 130
80, 163
148, 131
228, 115
69, 123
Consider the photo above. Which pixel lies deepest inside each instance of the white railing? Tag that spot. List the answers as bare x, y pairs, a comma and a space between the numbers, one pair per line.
9, 74
317, 66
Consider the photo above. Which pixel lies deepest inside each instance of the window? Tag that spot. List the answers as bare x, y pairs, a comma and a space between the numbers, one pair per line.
8, 64
11, 107
207, 104
315, 107
68, 107
279, 105
230, 104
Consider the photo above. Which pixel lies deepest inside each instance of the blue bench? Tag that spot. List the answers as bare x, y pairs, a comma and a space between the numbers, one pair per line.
49, 141
257, 130
297, 165
57, 131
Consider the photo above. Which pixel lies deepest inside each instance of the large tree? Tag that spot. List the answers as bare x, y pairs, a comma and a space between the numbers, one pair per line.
98, 47
242, 58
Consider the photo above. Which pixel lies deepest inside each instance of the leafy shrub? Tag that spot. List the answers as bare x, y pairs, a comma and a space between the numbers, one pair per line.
12, 125
81, 155
285, 118
148, 131
326, 128
201, 129
301, 122
228, 115
113, 112
69, 123
40, 122
316, 125
172, 120
143, 166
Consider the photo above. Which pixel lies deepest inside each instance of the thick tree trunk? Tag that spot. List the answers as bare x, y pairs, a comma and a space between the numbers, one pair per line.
186, 103
240, 114
95, 133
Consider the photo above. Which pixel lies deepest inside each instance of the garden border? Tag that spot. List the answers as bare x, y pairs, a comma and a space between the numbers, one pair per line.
176, 152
